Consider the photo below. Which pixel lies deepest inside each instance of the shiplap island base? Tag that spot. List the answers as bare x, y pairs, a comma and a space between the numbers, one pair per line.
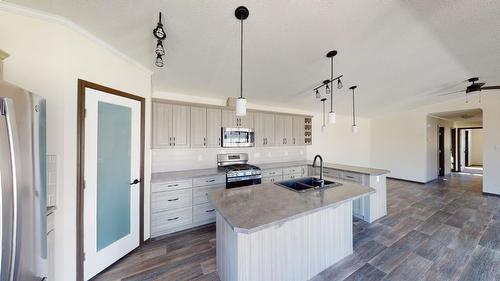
266, 232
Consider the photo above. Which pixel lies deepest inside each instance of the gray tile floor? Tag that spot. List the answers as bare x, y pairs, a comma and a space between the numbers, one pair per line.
444, 230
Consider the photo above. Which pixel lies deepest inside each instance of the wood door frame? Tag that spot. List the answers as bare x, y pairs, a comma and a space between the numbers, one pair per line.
453, 133
80, 164
459, 146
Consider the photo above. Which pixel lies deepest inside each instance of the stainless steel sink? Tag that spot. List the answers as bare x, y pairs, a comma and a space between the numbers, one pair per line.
306, 184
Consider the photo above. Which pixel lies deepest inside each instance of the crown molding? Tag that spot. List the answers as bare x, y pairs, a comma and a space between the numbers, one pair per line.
21, 10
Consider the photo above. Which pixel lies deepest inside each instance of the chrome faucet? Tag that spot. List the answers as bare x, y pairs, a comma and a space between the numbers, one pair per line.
320, 169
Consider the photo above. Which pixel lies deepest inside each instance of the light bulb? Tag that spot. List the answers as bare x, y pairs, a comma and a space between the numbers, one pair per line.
241, 106
328, 91
318, 95
339, 84
159, 61
354, 128
159, 49
332, 117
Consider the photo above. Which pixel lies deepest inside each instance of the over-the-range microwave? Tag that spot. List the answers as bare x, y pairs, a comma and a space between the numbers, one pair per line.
238, 137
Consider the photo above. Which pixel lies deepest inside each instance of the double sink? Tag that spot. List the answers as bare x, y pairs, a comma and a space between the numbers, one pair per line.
307, 184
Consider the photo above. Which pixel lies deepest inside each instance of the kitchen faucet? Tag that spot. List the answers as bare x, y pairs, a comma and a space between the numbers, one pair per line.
322, 181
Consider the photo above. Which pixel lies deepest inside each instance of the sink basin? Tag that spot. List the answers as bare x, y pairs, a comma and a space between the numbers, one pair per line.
306, 184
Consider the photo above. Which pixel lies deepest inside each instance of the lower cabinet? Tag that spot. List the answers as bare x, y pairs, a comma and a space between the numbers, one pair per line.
287, 173
179, 205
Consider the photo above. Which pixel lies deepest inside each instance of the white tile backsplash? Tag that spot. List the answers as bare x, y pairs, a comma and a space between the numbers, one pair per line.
165, 160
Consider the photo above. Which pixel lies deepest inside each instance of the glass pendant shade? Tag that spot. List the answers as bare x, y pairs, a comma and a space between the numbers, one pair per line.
318, 95
241, 106
354, 128
159, 49
339, 84
327, 90
332, 117
159, 61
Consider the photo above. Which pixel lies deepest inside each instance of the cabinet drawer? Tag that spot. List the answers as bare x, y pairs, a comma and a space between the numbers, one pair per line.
168, 200
272, 179
293, 176
272, 172
212, 180
352, 177
200, 193
171, 185
331, 173
171, 221
204, 213
294, 170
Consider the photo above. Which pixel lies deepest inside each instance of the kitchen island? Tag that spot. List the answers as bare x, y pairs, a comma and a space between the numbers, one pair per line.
268, 232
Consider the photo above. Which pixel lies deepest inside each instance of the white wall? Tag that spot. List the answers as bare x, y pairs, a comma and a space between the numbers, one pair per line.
47, 57
398, 141
476, 147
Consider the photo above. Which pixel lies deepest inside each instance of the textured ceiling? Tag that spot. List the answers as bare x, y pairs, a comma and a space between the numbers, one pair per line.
400, 53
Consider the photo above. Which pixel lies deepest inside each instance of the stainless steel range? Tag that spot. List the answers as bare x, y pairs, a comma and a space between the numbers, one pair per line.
238, 172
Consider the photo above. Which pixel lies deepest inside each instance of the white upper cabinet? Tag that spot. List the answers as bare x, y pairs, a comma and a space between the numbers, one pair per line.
264, 129
284, 129
198, 127
171, 123
299, 130
230, 120
214, 126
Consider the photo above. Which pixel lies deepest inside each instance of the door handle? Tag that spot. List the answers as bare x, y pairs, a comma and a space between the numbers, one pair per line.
136, 181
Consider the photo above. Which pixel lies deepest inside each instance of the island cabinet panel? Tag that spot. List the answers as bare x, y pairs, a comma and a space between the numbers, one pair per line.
198, 127
295, 250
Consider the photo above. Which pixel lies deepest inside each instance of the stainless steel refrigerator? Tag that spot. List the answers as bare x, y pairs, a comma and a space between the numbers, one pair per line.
23, 181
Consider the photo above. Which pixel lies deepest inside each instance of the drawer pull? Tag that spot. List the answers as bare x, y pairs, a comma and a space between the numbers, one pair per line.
272, 173
173, 199
350, 177
172, 185
209, 211
173, 219
212, 180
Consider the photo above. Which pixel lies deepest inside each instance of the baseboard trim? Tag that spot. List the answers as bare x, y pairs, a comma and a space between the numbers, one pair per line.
491, 194
399, 179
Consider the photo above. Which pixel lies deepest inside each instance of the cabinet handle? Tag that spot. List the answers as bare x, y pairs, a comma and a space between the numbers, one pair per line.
204, 141
173, 199
174, 141
350, 177
170, 141
172, 185
209, 211
173, 219
211, 180
219, 141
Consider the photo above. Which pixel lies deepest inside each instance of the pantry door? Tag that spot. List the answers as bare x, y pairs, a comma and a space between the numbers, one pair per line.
112, 179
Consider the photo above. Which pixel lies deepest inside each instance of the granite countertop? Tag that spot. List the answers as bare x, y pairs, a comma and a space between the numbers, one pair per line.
183, 175
355, 169
197, 173
252, 208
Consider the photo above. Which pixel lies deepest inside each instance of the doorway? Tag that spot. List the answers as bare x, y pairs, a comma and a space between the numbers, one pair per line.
110, 195
441, 152
470, 150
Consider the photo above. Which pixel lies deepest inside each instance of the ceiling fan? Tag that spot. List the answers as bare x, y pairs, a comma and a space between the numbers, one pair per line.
474, 87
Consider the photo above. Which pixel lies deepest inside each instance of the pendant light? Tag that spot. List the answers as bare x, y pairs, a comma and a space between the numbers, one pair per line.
323, 101
332, 116
160, 35
241, 14
354, 126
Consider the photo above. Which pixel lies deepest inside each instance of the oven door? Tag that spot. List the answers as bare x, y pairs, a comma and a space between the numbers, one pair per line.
232, 183
238, 137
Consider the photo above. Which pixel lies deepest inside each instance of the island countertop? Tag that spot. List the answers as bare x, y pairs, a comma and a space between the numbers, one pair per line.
252, 208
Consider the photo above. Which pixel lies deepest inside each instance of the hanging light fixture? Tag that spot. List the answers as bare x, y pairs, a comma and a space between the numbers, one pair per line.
160, 35
318, 95
354, 126
339, 84
241, 14
324, 124
332, 116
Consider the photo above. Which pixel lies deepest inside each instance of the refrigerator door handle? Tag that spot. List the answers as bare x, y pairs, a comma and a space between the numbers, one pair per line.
8, 182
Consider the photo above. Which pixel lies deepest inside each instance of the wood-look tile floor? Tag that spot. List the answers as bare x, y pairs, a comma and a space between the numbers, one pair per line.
444, 230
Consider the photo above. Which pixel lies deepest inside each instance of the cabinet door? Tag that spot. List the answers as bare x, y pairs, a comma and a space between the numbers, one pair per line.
246, 121
279, 131
198, 126
180, 126
229, 119
298, 130
214, 127
288, 123
162, 125
269, 129
260, 128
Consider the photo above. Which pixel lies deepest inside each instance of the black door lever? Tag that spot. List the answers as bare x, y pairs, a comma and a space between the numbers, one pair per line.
136, 181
